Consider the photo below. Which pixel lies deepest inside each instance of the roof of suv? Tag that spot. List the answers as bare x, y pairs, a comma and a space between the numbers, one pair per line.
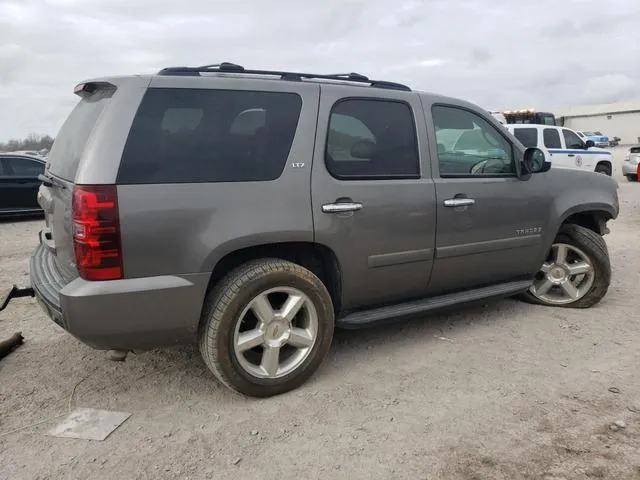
537, 126
232, 68
30, 156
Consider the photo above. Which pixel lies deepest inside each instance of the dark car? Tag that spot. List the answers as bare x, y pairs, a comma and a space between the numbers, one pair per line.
19, 184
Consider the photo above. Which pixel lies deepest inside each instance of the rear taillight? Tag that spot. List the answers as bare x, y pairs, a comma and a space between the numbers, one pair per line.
96, 232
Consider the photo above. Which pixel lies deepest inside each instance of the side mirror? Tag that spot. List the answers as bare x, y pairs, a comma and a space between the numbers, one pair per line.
363, 149
589, 144
535, 160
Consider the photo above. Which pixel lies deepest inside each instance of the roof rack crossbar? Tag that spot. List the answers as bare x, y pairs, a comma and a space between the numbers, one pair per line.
228, 67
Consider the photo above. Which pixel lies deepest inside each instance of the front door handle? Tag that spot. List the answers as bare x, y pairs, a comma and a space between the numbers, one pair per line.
459, 202
572, 155
341, 207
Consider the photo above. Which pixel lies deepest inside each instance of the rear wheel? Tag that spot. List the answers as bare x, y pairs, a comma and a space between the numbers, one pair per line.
632, 178
266, 327
576, 273
603, 168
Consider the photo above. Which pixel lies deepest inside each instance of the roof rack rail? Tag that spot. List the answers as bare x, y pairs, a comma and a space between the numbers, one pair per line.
228, 67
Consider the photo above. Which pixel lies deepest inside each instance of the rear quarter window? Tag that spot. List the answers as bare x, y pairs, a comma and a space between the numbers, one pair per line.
206, 136
527, 136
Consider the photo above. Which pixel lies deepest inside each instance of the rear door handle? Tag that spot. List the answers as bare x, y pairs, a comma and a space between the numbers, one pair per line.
341, 207
459, 202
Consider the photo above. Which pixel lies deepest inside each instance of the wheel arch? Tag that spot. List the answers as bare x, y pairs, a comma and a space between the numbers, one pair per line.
593, 219
607, 162
316, 257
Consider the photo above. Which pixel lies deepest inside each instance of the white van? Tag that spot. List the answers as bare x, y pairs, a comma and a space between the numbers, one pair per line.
566, 147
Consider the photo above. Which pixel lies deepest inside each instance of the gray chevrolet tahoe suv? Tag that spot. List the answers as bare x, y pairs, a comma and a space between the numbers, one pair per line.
251, 212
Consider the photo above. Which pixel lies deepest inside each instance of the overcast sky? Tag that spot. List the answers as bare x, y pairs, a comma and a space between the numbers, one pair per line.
497, 53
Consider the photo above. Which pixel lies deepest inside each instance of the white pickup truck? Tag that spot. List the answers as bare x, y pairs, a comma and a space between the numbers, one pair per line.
566, 147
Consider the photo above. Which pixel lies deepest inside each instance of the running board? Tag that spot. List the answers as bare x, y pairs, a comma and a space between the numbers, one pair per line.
367, 318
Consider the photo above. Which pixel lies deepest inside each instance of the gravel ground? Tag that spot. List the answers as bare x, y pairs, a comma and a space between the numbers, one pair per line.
504, 391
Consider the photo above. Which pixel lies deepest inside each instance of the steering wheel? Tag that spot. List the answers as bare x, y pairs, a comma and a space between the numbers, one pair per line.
490, 165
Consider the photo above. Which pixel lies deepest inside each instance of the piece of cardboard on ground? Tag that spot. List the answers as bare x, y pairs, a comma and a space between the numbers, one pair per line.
89, 424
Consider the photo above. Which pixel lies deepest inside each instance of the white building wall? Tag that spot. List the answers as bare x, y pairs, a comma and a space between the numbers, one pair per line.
623, 125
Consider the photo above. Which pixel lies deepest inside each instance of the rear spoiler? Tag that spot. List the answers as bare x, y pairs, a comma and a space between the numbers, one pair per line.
86, 89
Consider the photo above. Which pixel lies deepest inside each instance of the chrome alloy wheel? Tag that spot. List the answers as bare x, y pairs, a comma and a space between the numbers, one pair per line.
565, 277
275, 332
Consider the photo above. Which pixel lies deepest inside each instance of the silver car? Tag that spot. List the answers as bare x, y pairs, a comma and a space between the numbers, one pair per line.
630, 164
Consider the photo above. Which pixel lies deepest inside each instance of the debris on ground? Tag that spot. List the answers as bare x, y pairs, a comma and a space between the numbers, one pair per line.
89, 424
10, 344
443, 338
618, 425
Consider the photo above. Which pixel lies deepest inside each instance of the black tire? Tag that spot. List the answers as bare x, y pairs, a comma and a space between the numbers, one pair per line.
632, 178
224, 305
594, 246
603, 168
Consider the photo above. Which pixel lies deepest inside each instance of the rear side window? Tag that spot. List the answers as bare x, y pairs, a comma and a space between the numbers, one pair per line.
200, 136
551, 138
527, 136
372, 139
66, 151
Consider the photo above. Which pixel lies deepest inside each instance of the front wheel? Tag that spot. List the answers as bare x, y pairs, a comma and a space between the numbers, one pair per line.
266, 327
576, 273
632, 178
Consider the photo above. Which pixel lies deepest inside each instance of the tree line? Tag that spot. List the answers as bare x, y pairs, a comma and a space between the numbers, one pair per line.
33, 141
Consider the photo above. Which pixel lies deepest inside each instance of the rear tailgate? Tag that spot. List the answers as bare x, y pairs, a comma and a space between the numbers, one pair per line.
55, 195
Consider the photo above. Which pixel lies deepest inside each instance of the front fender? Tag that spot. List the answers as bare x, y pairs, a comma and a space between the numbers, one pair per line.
586, 192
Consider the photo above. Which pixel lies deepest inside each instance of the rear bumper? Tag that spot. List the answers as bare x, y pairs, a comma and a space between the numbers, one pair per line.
629, 169
130, 314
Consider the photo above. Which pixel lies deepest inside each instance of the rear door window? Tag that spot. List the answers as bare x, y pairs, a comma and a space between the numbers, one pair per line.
527, 136
67, 149
202, 136
371, 139
551, 138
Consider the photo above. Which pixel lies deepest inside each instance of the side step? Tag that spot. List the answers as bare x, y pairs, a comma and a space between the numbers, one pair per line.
367, 318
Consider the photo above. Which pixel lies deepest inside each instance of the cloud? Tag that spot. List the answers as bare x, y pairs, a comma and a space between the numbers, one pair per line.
497, 53
610, 88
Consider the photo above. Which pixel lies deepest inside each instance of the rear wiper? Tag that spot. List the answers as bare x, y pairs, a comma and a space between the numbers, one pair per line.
51, 182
